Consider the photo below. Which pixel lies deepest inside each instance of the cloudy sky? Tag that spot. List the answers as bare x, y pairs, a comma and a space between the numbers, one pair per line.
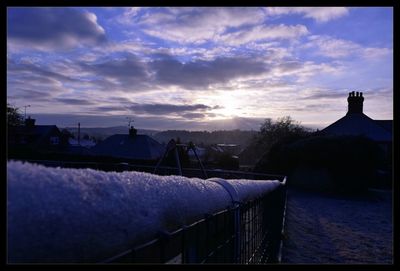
198, 68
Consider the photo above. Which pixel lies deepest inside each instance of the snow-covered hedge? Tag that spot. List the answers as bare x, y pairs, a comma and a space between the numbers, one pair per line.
84, 215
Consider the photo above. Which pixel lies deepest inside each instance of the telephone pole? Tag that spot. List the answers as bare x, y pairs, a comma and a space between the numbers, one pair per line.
25, 106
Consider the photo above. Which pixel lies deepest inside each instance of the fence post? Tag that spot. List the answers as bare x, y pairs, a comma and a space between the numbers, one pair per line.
237, 228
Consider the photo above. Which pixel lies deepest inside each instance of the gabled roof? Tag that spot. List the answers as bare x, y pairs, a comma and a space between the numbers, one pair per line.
38, 133
141, 147
40, 130
358, 124
43, 129
387, 124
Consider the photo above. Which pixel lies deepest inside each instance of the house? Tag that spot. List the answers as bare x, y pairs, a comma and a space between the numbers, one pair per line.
201, 153
233, 149
86, 143
356, 123
40, 137
130, 146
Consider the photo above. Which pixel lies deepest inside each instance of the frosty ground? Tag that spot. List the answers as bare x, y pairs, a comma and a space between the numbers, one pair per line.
338, 229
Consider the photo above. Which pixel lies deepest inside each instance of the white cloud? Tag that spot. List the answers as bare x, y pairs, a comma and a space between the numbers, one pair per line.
340, 48
262, 32
188, 25
127, 18
319, 14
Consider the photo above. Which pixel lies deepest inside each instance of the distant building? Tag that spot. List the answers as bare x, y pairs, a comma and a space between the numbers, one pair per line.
356, 123
86, 143
130, 146
80, 147
233, 149
41, 137
201, 153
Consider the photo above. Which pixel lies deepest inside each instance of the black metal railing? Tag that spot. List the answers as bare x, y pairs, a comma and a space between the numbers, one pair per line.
246, 233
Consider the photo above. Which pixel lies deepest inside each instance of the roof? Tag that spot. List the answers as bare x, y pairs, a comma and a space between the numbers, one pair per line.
38, 133
82, 142
359, 124
43, 129
35, 130
141, 147
387, 124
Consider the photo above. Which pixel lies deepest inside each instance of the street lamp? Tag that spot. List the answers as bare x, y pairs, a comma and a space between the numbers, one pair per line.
25, 106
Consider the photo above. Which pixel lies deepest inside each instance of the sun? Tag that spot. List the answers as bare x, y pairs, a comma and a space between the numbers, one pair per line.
230, 106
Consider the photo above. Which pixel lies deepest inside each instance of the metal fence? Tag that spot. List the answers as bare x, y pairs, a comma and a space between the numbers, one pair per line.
247, 233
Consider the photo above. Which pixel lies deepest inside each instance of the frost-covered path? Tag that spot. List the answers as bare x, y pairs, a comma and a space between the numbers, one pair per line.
328, 229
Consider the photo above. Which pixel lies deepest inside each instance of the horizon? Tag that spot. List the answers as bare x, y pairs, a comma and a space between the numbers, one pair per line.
198, 68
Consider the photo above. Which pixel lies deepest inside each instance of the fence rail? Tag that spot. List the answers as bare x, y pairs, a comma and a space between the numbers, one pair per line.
165, 170
247, 233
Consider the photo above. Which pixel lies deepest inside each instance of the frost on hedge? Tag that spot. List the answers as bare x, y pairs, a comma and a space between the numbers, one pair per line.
85, 215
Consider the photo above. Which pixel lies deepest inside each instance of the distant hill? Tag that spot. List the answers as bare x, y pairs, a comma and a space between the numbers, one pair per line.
102, 133
239, 137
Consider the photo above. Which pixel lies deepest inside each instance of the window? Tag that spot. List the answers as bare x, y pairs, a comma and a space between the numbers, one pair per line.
54, 140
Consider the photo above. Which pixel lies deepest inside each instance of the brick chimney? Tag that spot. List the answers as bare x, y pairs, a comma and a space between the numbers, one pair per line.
355, 101
30, 122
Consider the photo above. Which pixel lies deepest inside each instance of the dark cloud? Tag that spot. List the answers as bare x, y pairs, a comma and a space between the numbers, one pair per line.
194, 116
332, 94
35, 72
200, 73
312, 107
290, 66
185, 111
120, 100
130, 72
109, 108
146, 122
73, 101
53, 27
162, 109
30, 95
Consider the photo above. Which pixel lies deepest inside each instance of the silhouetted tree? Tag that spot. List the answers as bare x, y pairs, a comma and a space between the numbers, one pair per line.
65, 136
279, 132
14, 117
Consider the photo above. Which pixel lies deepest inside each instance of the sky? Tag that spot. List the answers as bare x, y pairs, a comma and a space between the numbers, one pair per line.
198, 68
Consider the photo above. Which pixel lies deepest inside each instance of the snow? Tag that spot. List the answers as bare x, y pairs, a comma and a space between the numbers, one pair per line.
84, 215
338, 229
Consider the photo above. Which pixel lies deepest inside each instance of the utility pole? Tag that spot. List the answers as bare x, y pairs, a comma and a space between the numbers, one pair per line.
25, 106
129, 122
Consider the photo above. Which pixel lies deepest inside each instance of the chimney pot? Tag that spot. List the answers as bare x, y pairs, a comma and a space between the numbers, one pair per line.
355, 103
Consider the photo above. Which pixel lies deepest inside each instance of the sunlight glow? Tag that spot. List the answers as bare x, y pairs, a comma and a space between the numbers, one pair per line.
231, 105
